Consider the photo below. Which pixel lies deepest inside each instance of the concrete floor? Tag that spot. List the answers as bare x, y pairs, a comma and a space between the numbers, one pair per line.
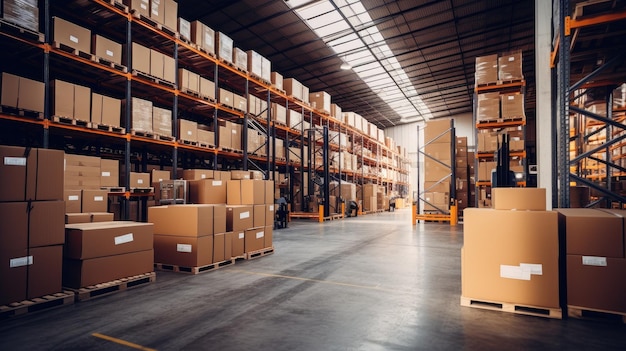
367, 283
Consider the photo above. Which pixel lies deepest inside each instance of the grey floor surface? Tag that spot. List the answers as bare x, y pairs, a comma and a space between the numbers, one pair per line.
368, 283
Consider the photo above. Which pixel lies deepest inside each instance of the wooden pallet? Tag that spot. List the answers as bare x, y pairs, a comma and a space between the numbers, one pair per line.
500, 82
107, 128
227, 63
163, 137
546, 312
153, 79
595, 314
8, 110
143, 133
193, 270
37, 304
114, 286
191, 93
155, 24
188, 142
144, 190
208, 98
71, 121
109, 63
114, 189
20, 31
276, 88
201, 49
206, 145
259, 253
501, 120
73, 51
259, 78
119, 5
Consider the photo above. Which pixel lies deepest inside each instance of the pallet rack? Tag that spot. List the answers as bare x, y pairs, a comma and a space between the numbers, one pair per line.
34, 55
576, 47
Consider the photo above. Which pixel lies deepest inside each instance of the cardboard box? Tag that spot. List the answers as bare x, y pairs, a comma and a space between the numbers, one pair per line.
96, 108
140, 7
438, 129
170, 11
218, 247
522, 266
111, 108
71, 35
226, 98
270, 214
72, 201
157, 10
91, 240
183, 251
439, 151
233, 192
524, 199
269, 192
512, 106
97, 217
184, 28
81, 273
203, 36
252, 191
94, 201
46, 223
208, 191
239, 175
14, 220
182, 220
141, 58
169, 69
159, 176
225, 134
197, 174
488, 106
205, 136
277, 80
592, 232
485, 169
141, 115
236, 133
510, 66
45, 272
219, 218
435, 171
63, 98
207, 88
255, 239
259, 215
73, 218
486, 69
34, 175
139, 180
107, 49
156, 63
31, 95
82, 103
293, 88
13, 276
10, 89
238, 243
321, 101
239, 217
162, 121
596, 283
224, 47
269, 237
109, 173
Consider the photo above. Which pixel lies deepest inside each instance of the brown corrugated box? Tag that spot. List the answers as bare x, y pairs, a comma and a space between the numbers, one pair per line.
521, 199
236, 132
233, 192
91, 240
73, 218
592, 232
14, 220
293, 87
111, 109
13, 276
207, 191
141, 115
72, 35
206, 136
107, 49
259, 215
435, 170
218, 247
269, 192
170, 14
182, 220
139, 180
72, 201
141, 58
157, 10
438, 129
184, 28
45, 273
270, 214
34, 174
269, 237
207, 88
10, 89
252, 191
158, 176
81, 273
97, 217
22, 93
488, 106
140, 7
109, 173
277, 80
512, 105
224, 134
156, 63
188, 130
219, 218
94, 201
162, 121
238, 217
46, 223
183, 251
238, 243
169, 69
596, 283
510, 66
255, 239
63, 99
224, 47
240, 59
522, 266
486, 69
203, 36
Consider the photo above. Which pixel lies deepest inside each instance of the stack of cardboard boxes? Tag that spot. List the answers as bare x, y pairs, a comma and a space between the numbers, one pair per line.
595, 261
164, 12
31, 223
511, 252
22, 93
437, 165
24, 13
84, 176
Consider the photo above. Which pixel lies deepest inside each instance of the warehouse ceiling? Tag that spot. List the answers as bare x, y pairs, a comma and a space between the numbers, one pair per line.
411, 60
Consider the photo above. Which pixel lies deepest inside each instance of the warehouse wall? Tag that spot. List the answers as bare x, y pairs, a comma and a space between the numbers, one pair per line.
405, 135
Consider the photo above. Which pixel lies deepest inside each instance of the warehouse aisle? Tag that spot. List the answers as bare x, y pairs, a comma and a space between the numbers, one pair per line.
367, 283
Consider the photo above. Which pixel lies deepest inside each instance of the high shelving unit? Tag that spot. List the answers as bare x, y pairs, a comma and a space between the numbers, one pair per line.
34, 55
588, 62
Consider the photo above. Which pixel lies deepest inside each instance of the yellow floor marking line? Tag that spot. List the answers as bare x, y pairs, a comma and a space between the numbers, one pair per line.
368, 287
122, 342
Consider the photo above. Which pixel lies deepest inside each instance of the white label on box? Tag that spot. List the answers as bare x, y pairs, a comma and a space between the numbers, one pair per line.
271, 208
160, 179
21, 261
15, 161
511, 97
514, 272
512, 58
259, 235
183, 247
98, 198
139, 181
123, 239
242, 235
594, 261
217, 183
72, 198
189, 132
536, 269
109, 53
203, 176
73, 39
106, 174
143, 6
244, 215
234, 131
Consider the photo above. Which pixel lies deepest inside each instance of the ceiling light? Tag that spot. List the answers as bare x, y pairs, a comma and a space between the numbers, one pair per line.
345, 66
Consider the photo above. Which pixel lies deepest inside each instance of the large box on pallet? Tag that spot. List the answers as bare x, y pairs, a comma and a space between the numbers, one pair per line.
81, 273
224, 47
13, 276
94, 201
320, 100
592, 232
203, 36
438, 131
238, 243
139, 7
596, 283
239, 217
71, 35
23, 13
91, 240
254, 239
162, 121
488, 107
522, 266
486, 69
141, 115
140, 58
207, 191
170, 11
510, 66
183, 251
188, 130
512, 105
45, 274
182, 220
30, 174
107, 49
520, 199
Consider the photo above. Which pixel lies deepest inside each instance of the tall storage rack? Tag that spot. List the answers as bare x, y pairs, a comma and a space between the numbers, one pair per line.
588, 34
34, 55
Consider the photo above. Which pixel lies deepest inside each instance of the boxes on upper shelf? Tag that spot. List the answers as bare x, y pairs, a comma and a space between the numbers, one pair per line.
22, 13
107, 49
486, 69
203, 36
224, 47
510, 66
22, 93
72, 35
105, 110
